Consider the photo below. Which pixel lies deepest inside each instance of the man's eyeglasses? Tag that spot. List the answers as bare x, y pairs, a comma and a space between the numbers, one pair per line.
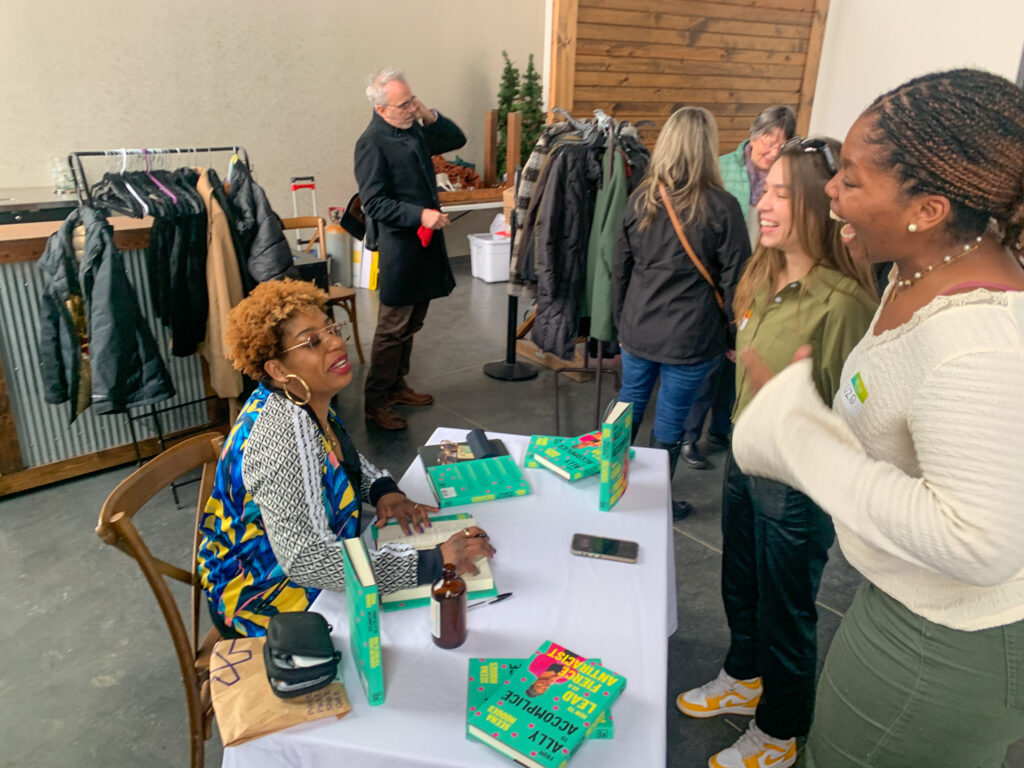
316, 338
406, 105
815, 145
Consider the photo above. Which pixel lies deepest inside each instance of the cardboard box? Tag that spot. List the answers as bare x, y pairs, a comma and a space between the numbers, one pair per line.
508, 203
490, 257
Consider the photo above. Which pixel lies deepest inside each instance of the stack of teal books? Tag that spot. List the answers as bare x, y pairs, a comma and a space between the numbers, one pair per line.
605, 452
539, 710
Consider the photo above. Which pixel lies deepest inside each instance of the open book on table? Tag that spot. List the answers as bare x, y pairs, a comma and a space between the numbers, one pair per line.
441, 529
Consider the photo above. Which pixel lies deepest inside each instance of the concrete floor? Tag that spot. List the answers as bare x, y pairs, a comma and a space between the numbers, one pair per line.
88, 677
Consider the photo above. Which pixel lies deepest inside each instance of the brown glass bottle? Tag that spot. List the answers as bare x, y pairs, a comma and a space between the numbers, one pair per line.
448, 609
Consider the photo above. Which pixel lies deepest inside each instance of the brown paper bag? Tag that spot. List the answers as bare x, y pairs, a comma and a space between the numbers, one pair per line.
245, 706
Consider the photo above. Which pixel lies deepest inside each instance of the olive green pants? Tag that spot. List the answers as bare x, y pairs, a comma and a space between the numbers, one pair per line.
898, 691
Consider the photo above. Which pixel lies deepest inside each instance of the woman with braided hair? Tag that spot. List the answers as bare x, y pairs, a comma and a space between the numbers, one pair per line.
920, 460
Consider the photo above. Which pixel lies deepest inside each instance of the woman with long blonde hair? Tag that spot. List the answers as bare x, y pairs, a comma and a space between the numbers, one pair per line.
664, 301
800, 287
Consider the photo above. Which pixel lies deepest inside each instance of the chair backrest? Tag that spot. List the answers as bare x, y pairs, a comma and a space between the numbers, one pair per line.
116, 527
310, 222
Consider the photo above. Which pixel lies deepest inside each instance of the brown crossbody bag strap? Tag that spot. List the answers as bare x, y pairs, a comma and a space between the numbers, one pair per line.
689, 249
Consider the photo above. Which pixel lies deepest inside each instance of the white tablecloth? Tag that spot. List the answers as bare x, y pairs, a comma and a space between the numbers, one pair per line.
619, 612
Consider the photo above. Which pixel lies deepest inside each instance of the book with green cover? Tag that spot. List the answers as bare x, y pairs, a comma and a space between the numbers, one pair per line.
469, 482
616, 434
363, 618
540, 442
572, 458
485, 675
546, 711
441, 528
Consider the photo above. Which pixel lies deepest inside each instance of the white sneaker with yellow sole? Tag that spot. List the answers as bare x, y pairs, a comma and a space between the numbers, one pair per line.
756, 749
725, 695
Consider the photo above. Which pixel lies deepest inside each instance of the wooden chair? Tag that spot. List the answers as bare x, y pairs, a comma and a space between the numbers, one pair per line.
116, 528
338, 295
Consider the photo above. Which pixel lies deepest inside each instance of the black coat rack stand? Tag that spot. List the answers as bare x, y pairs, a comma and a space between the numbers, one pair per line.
509, 369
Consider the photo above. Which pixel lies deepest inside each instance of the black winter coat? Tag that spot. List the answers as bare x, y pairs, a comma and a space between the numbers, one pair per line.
396, 181
259, 229
91, 326
561, 237
664, 309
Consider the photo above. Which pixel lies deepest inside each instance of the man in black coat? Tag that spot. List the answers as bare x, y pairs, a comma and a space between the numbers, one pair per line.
398, 191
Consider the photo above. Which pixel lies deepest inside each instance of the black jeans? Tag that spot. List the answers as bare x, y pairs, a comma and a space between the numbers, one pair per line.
775, 543
391, 351
717, 394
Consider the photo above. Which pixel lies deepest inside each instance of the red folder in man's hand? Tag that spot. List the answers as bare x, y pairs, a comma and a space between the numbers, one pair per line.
424, 235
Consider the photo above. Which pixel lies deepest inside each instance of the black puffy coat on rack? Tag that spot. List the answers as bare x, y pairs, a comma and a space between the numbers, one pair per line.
95, 347
260, 234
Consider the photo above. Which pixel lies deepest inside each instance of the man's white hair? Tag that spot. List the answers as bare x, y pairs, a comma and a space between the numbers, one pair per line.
375, 85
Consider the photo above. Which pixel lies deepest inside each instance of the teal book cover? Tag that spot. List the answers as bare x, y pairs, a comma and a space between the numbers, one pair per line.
470, 482
616, 434
485, 675
572, 458
363, 604
539, 443
548, 708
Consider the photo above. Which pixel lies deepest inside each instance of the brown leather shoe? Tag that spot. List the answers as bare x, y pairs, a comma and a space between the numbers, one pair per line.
408, 397
385, 418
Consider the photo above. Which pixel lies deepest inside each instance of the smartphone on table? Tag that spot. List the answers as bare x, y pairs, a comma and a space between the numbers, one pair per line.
586, 545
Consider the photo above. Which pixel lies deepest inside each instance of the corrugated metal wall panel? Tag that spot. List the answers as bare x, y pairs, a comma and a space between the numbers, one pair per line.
43, 430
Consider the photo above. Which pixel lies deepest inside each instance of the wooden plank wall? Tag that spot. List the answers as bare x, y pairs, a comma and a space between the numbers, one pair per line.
644, 59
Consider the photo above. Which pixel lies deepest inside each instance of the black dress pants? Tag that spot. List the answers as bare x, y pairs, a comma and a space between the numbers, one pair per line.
391, 351
775, 543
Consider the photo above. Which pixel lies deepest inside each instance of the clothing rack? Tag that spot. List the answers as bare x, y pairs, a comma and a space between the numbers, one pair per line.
82, 184
605, 124
84, 194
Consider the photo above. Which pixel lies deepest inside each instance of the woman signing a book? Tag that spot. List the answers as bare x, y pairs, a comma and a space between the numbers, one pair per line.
800, 287
290, 484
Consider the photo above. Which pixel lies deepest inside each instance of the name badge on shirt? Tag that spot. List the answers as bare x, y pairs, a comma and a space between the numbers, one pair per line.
854, 394
745, 320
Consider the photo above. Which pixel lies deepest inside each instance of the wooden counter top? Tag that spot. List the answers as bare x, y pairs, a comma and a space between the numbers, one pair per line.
26, 241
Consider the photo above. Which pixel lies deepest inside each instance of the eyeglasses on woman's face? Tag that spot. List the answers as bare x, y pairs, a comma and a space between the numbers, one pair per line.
316, 338
816, 146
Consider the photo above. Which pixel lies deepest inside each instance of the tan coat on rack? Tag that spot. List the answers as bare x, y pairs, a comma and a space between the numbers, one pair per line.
224, 286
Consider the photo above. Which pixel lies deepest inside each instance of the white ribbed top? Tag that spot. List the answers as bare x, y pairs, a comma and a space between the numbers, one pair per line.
925, 481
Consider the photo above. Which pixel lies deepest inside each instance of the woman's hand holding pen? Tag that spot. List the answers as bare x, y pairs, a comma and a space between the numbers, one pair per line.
466, 546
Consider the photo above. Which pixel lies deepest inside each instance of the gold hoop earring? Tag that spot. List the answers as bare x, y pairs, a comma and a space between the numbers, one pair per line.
288, 394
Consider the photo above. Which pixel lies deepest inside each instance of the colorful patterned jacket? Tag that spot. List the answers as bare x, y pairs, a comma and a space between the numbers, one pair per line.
280, 506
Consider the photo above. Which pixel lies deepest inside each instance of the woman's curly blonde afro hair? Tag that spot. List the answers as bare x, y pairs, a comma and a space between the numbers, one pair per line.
254, 325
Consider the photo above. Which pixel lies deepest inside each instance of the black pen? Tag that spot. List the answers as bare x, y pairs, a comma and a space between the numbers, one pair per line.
497, 599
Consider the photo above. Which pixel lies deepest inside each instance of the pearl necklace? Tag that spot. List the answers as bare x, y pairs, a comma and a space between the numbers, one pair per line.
946, 261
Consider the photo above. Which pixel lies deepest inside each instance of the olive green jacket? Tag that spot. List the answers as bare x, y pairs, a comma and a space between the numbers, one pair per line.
825, 309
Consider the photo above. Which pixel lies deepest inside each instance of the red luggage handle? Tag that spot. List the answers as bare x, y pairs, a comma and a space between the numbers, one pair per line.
303, 186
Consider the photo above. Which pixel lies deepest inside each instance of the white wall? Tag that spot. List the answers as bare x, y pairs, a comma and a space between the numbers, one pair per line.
284, 79
872, 46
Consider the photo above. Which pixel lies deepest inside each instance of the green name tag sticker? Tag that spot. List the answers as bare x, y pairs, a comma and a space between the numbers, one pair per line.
854, 394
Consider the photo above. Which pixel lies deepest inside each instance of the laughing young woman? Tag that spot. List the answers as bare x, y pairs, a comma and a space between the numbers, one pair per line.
800, 287
920, 460
290, 484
